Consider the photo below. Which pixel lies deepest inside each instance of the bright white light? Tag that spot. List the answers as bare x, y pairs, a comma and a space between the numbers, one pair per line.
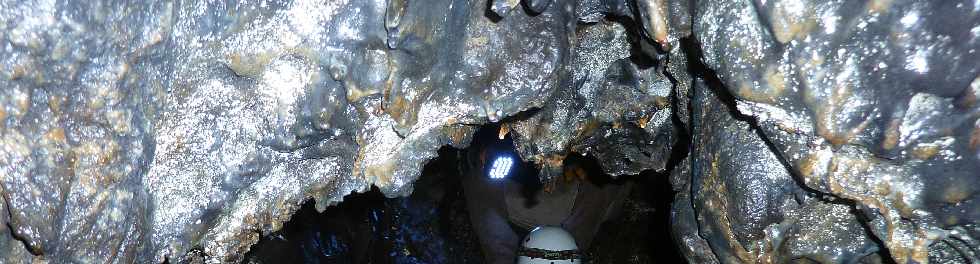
501, 167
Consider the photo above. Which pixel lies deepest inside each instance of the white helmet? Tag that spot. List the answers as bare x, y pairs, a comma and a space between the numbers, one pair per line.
547, 245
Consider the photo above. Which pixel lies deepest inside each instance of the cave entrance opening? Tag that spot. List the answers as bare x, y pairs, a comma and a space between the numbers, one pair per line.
458, 213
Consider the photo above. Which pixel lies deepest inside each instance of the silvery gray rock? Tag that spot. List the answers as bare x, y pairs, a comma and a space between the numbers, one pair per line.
185, 130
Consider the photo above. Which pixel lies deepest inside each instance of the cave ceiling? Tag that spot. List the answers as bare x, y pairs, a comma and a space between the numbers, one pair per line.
151, 131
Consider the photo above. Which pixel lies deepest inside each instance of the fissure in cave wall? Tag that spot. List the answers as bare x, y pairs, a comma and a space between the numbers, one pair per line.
828, 131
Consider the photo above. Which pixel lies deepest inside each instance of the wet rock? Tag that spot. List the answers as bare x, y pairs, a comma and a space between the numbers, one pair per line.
608, 107
851, 95
13, 248
748, 207
683, 222
185, 130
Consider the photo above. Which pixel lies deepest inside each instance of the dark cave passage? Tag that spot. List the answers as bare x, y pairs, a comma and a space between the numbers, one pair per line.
433, 224
740, 131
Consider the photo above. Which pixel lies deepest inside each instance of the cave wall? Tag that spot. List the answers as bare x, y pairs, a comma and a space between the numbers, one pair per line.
830, 131
870, 103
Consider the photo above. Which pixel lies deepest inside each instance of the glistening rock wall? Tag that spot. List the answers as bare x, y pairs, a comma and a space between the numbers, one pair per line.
184, 130
872, 103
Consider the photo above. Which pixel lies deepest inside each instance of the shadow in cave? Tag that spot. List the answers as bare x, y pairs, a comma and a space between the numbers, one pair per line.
432, 225
429, 226
641, 232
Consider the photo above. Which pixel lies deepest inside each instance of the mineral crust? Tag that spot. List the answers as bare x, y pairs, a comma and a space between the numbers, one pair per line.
182, 131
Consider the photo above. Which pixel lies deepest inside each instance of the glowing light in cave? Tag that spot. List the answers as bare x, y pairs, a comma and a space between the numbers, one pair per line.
501, 167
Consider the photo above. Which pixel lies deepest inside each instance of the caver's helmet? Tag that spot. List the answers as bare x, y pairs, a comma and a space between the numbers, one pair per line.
549, 244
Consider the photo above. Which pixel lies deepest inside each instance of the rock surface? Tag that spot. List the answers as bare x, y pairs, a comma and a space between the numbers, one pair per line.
870, 102
832, 131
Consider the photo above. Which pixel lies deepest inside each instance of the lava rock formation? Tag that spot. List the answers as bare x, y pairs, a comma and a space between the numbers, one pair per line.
792, 130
